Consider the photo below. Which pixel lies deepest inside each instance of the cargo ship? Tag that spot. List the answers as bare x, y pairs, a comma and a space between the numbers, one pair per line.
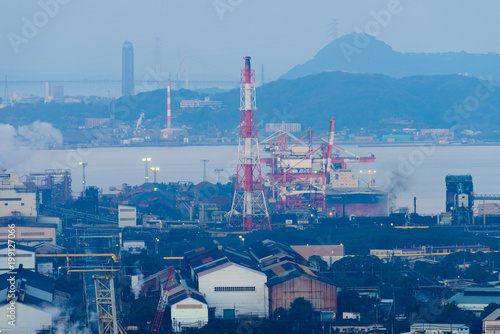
312, 175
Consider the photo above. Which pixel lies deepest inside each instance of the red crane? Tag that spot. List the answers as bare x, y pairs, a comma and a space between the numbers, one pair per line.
162, 304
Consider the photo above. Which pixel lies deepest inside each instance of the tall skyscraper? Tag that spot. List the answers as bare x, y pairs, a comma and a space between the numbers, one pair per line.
128, 86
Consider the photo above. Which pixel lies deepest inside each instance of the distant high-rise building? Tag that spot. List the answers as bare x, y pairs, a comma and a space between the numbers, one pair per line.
128, 87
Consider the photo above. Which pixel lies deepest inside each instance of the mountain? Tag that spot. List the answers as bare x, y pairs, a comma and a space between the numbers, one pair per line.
374, 102
361, 53
370, 101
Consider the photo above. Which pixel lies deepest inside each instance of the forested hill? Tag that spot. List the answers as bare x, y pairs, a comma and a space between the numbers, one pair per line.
361, 53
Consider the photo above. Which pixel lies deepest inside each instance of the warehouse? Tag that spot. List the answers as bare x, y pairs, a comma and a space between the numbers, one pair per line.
289, 277
232, 283
188, 307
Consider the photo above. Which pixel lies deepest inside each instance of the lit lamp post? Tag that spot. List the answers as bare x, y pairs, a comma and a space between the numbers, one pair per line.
156, 245
83, 164
155, 169
146, 177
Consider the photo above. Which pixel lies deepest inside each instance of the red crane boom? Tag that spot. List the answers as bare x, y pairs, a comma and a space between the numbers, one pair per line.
162, 304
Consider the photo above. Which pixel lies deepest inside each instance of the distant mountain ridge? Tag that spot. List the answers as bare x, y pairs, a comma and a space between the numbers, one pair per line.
361, 53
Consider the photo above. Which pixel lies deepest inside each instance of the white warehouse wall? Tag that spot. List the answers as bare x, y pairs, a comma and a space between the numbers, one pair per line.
245, 302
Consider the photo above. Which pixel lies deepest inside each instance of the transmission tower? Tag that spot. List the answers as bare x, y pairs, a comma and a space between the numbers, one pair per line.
218, 171
6, 93
262, 75
204, 161
183, 70
249, 209
334, 29
158, 56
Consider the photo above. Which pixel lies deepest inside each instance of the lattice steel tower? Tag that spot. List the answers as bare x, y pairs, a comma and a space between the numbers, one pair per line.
249, 209
105, 303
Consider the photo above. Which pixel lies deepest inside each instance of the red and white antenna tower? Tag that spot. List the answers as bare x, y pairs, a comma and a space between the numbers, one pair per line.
169, 109
249, 210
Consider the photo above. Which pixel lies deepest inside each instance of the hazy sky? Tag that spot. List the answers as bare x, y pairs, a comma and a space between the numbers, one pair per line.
83, 38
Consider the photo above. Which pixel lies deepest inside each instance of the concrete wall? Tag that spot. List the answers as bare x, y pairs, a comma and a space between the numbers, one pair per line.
28, 319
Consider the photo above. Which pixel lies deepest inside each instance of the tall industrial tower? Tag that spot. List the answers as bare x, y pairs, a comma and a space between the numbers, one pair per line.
249, 210
128, 84
106, 306
169, 107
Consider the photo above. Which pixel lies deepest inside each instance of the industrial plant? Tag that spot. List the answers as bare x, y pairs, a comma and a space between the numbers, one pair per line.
180, 256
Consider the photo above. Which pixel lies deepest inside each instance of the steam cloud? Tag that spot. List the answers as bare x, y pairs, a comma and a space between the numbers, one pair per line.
18, 144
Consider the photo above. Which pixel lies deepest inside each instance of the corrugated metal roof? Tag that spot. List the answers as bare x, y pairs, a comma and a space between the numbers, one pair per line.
39, 288
212, 257
285, 271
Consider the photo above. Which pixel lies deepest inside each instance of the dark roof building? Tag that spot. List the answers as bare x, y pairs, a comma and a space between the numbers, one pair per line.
33, 294
289, 277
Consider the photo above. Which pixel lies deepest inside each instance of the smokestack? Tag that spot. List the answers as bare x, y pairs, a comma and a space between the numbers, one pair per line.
169, 110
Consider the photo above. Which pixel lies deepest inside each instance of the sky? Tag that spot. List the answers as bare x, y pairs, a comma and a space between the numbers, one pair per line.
83, 38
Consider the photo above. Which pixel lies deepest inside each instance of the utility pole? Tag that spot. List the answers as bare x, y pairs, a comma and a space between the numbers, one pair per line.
218, 171
154, 170
204, 161
7, 97
146, 176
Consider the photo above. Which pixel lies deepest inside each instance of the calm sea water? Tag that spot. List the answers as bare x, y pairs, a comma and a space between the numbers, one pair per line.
421, 170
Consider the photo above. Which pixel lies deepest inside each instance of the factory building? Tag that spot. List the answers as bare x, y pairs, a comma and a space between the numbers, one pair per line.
491, 324
28, 233
23, 255
429, 328
16, 200
127, 216
289, 277
188, 307
231, 282
475, 299
34, 296
328, 253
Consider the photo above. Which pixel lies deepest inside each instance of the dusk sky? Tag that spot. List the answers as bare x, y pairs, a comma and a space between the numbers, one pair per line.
83, 39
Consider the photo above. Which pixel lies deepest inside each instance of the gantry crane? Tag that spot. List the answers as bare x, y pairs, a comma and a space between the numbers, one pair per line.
301, 174
162, 304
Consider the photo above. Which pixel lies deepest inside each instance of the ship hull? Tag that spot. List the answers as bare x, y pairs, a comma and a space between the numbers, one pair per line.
357, 203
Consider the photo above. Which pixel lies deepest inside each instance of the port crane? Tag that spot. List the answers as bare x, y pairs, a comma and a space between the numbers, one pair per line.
300, 173
162, 304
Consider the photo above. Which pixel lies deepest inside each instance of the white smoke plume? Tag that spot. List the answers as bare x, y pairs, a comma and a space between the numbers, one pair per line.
17, 145
137, 286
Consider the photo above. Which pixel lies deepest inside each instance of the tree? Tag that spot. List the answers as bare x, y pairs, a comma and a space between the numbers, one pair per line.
489, 309
301, 309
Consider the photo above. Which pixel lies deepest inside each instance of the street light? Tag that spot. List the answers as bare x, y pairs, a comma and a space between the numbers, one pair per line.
146, 177
156, 245
83, 164
155, 169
